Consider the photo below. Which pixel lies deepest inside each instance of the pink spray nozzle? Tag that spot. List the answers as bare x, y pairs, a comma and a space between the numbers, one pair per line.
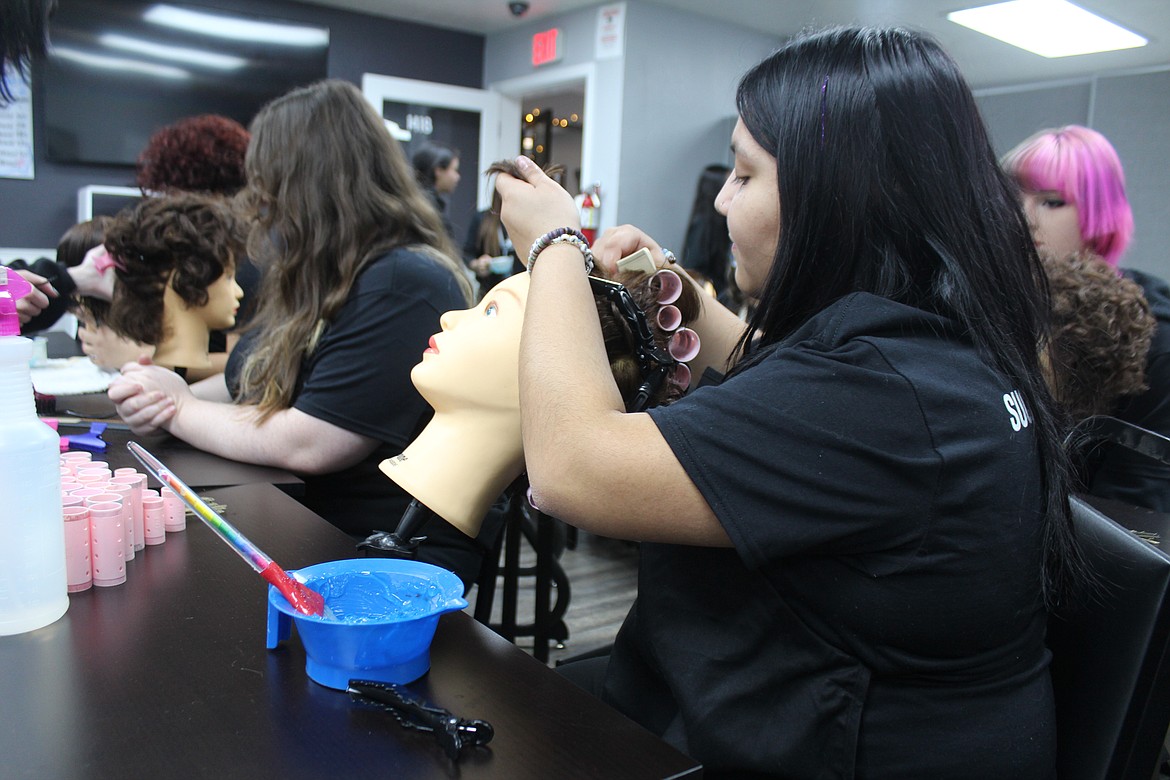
13, 287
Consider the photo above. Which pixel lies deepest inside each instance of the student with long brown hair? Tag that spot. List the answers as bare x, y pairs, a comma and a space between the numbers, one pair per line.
357, 269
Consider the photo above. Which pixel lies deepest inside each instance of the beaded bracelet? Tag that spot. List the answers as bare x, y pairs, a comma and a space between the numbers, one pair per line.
572, 240
565, 235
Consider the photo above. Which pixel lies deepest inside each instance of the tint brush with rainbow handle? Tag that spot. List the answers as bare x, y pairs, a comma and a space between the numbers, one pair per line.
303, 599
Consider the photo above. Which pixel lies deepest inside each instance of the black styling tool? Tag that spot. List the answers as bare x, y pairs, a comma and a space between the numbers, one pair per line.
402, 542
452, 733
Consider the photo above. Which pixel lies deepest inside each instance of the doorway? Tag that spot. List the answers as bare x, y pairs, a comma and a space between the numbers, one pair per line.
552, 131
562, 92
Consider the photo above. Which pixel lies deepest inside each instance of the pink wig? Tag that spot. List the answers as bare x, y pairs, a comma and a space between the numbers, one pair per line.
1084, 168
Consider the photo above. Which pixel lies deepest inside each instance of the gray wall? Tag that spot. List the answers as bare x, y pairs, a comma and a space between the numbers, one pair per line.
507, 57
678, 111
35, 213
667, 106
676, 86
1133, 112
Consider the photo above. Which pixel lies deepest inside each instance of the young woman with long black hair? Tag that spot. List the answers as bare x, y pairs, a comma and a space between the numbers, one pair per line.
849, 541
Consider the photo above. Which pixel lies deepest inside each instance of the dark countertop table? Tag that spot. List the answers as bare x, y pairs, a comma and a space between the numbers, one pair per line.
168, 675
197, 468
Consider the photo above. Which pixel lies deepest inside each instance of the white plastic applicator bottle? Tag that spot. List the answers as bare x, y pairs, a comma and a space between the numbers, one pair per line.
33, 586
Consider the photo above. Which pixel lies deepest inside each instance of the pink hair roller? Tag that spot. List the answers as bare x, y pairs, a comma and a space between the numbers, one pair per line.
176, 512
667, 285
155, 516
684, 344
669, 317
109, 560
680, 376
87, 492
78, 568
137, 482
124, 494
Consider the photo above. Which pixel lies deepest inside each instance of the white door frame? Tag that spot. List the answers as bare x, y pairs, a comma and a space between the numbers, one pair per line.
499, 134
499, 109
513, 90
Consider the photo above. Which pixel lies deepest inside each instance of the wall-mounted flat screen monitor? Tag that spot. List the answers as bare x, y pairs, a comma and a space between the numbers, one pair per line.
118, 70
97, 200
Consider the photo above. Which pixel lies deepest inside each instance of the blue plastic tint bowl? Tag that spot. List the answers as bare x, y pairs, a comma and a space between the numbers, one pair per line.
385, 612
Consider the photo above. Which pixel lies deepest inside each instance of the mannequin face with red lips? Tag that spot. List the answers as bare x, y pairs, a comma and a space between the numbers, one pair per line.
474, 362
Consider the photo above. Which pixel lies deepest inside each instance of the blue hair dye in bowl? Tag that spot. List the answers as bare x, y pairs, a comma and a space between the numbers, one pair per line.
381, 615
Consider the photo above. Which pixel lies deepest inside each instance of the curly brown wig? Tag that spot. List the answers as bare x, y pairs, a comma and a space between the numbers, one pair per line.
185, 240
1100, 333
198, 154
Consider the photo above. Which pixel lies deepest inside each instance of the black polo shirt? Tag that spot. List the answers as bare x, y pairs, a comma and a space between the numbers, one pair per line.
880, 614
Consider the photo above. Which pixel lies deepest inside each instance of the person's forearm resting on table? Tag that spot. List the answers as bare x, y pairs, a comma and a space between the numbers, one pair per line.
288, 439
203, 416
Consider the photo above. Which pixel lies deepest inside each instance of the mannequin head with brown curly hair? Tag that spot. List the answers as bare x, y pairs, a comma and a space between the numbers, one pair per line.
198, 154
1101, 328
175, 264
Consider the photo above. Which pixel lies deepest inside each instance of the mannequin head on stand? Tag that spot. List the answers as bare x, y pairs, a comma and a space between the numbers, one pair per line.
174, 257
472, 450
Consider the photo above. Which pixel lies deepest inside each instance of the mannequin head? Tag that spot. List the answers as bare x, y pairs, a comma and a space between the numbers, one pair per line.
175, 262
198, 154
473, 364
1101, 328
472, 448
1073, 188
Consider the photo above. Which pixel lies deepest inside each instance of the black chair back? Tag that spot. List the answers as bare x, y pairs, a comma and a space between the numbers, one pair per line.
1103, 428
1111, 665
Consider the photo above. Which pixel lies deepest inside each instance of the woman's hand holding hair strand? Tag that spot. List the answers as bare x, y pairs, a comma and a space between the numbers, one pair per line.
580, 447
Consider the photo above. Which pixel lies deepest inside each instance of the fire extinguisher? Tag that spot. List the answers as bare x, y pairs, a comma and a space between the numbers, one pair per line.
589, 206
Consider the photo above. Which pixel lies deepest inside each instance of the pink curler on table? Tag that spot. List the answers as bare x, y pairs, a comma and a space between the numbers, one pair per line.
155, 516
107, 545
78, 563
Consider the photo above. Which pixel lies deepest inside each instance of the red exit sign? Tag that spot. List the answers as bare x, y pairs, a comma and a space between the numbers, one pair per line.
546, 47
